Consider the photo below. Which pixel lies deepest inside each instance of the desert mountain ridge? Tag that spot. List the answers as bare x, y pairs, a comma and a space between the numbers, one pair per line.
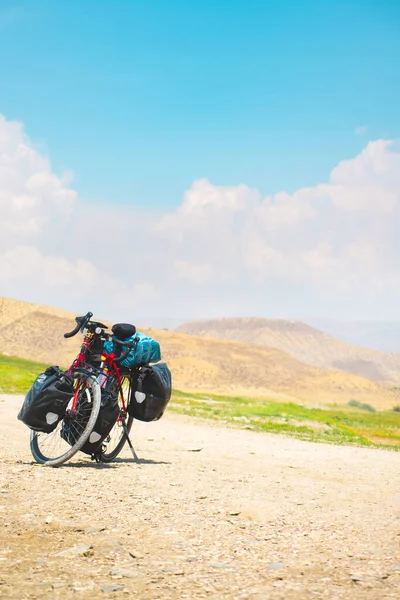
198, 364
307, 344
377, 335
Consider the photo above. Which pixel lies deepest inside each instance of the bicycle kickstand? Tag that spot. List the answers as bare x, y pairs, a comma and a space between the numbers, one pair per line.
135, 456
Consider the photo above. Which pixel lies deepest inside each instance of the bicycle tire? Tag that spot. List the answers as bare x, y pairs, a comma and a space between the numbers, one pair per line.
37, 452
112, 455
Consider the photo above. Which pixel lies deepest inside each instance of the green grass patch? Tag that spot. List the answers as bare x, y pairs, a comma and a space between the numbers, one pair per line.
352, 424
18, 374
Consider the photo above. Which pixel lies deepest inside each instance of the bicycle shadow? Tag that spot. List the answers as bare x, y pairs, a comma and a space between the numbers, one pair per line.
101, 465
68, 465
141, 461
115, 463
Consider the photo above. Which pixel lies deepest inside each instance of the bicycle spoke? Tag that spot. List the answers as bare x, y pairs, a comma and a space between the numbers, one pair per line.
72, 432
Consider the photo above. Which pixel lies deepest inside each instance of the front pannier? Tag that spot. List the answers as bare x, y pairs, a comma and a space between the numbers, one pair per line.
108, 415
47, 400
152, 393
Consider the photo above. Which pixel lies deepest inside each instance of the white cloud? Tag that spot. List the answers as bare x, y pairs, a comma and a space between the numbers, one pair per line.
370, 182
332, 248
31, 196
194, 272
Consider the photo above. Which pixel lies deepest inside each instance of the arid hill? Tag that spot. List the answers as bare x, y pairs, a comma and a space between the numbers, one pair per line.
378, 335
303, 342
197, 363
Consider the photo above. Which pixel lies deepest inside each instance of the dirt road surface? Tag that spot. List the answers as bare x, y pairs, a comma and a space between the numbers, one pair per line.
208, 513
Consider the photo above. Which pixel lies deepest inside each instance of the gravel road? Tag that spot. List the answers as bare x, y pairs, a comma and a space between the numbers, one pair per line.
209, 512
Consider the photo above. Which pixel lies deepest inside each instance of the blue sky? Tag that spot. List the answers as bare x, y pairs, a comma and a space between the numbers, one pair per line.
181, 121
139, 99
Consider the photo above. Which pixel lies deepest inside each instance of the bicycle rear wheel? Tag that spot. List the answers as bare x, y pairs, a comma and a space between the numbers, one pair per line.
116, 439
55, 448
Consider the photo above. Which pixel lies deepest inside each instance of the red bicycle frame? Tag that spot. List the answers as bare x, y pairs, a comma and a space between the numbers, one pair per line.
107, 367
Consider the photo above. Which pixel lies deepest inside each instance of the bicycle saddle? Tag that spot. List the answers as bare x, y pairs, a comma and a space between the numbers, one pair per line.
123, 330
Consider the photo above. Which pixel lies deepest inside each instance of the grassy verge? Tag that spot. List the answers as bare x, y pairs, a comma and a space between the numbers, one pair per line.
18, 374
338, 425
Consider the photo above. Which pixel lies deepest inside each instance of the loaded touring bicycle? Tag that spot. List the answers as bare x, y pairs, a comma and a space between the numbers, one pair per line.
117, 377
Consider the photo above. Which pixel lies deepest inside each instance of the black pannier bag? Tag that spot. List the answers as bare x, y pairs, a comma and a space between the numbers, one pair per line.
108, 415
152, 393
47, 400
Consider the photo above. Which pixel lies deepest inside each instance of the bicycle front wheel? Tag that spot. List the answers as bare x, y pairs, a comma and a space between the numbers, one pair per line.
116, 439
55, 448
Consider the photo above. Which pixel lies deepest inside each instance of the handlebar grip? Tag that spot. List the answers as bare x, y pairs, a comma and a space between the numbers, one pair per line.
81, 324
73, 332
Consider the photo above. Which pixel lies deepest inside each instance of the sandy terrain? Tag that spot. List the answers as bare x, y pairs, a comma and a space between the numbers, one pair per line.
208, 513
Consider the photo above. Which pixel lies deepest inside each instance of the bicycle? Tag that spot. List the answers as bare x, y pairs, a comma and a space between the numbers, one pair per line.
95, 373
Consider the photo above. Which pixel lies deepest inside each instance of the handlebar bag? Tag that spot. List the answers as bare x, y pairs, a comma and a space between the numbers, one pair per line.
152, 393
47, 400
146, 350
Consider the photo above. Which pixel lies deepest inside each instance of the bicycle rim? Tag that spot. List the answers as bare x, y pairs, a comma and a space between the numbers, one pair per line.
55, 448
116, 439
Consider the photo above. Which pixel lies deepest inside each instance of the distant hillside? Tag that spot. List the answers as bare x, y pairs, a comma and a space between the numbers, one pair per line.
383, 336
197, 363
305, 343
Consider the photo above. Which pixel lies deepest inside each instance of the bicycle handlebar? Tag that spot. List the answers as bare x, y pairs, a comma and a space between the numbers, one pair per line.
81, 324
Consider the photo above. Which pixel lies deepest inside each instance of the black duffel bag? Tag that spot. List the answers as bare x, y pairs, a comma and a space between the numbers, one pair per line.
108, 415
152, 393
47, 400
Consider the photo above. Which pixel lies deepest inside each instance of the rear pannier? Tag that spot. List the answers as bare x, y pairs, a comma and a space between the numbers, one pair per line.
152, 393
47, 400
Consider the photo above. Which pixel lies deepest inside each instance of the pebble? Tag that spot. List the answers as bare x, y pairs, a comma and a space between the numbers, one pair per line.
396, 569
57, 585
120, 572
173, 571
108, 589
75, 551
276, 566
82, 588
